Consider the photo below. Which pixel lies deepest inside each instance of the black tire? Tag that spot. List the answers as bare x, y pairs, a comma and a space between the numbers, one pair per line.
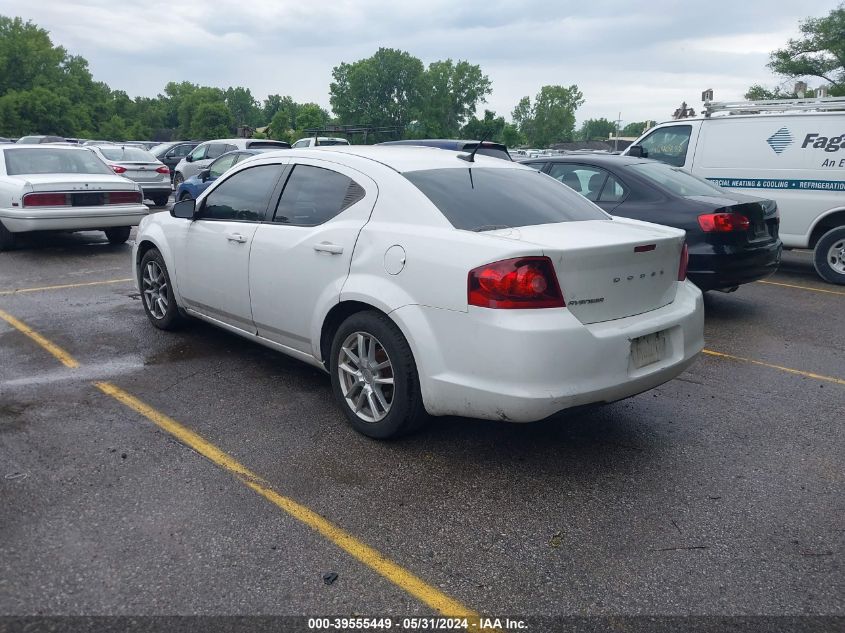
118, 234
407, 412
171, 317
7, 239
830, 252
161, 201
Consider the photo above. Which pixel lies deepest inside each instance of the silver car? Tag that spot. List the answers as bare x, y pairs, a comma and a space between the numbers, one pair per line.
138, 165
205, 153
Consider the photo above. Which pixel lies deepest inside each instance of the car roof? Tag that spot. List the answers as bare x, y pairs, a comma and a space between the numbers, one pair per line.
595, 159
443, 143
401, 158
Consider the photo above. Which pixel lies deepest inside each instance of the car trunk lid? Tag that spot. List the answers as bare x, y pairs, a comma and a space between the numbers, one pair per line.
609, 269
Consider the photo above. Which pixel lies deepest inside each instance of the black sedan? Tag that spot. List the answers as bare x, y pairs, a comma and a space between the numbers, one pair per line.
732, 238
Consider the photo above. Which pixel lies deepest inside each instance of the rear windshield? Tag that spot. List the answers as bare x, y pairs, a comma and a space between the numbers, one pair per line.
128, 154
332, 141
277, 144
53, 161
676, 180
479, 199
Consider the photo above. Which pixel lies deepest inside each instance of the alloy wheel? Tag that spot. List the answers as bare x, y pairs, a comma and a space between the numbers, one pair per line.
366, 376
154, 284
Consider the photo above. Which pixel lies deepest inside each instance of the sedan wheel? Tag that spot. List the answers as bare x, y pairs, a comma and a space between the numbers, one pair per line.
157, 293
374, 377
366, 376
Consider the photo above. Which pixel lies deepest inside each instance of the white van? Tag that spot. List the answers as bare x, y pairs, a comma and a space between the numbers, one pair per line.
792, 151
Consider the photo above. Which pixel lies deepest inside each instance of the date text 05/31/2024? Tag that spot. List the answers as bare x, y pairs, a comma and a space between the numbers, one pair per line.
417, 624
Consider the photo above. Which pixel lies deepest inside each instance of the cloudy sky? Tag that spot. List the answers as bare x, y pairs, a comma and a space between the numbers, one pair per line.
639, 58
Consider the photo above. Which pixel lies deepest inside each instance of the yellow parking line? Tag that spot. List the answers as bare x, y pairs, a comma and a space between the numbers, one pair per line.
15, 291
806, 374
777, 283
370, 557
66, 359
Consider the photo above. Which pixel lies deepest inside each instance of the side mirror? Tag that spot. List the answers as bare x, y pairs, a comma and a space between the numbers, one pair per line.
189, 158
204, 174
638, 151
185, 209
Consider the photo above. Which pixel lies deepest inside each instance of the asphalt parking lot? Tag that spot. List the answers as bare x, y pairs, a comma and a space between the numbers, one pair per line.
719, 493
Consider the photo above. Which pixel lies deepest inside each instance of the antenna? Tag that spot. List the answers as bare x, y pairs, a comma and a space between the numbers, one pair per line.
470, 158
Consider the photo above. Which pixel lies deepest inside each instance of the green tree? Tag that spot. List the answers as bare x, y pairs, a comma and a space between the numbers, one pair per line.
452, 92
280, 126
243, 106
551, 119
634, 129
477, 128
309, 116
596, 130
819, 52
511, 136
384, 89
761, 93
212, 119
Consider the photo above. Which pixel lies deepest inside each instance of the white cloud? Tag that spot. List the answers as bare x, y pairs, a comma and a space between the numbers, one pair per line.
639, 59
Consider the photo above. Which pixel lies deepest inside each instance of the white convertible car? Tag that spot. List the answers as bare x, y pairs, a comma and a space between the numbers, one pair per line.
427, 282
61, 188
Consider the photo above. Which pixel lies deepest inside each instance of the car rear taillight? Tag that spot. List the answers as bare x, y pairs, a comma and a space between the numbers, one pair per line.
521, 282
118, 169
46, 200
682, 267
723, 222
125, 197
164, 169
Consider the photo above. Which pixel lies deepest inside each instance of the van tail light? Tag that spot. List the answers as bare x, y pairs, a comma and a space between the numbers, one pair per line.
118, 169
682, 267
164, 169
46, 200
723, 222
125, 197
518, 283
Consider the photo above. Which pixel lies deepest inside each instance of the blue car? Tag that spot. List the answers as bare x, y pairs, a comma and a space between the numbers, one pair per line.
195, 185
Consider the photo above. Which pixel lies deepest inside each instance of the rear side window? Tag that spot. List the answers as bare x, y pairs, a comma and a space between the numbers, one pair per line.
669, 144
314, 195
479, 199
244, 196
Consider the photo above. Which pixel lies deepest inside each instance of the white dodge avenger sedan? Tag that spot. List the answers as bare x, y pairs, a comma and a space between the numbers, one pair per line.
427, 282
61, 188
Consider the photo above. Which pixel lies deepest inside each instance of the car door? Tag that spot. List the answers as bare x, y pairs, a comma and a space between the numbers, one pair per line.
214, 258
300, 258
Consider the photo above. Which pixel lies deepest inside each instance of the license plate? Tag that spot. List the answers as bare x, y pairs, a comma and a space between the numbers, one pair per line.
88, 199
648, 349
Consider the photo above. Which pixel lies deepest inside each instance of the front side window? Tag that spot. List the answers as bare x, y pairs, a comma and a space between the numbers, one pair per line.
484, 199
314, 195
199, 153
301, 144
180, 151
53, 161
243, 196
668, 144
222, 164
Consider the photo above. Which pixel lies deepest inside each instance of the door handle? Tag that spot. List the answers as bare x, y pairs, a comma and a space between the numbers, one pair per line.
236, 237
328, 247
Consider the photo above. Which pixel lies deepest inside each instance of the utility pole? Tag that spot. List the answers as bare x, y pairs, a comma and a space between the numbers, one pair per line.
616, 138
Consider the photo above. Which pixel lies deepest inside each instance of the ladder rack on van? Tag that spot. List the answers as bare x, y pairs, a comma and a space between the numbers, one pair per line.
775, 105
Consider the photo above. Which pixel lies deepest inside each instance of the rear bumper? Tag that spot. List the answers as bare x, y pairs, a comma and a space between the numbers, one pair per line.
72, 218
525, 365
725, 270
